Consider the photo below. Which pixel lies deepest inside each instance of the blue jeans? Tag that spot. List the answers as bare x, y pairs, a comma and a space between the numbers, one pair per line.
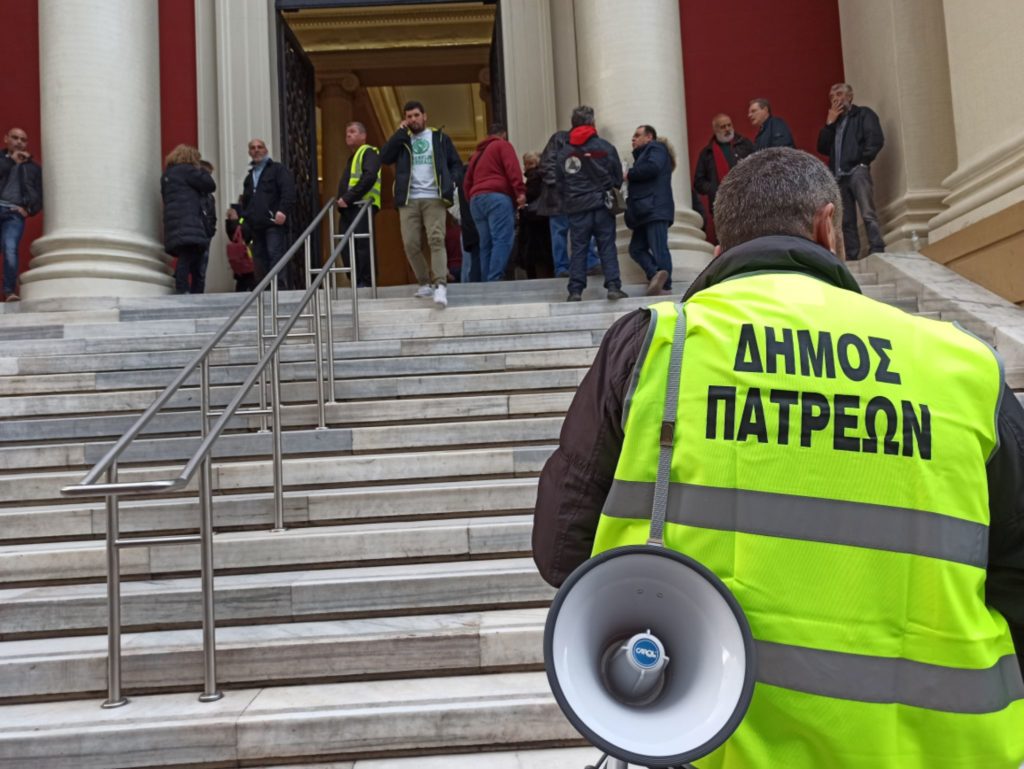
649, 248
599, 224
560, 245
495, 217
11, 227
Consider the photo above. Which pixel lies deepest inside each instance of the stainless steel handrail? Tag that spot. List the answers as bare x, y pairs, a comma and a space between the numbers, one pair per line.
200, 459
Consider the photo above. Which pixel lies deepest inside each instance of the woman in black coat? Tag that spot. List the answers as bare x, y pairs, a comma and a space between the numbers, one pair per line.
184, 187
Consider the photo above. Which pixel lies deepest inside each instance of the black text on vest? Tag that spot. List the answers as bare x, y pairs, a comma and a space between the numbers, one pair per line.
876, 424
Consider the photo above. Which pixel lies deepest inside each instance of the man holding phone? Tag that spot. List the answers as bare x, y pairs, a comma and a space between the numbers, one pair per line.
21, 196
852, 138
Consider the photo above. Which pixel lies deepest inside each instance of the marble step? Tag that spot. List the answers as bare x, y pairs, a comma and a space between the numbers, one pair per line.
315, 472
86, 519
551, 758
111, 355
356, 440
253, 551
411, 365
372, 318
294, 392
339, 721
247, 655
338, 414
274, 597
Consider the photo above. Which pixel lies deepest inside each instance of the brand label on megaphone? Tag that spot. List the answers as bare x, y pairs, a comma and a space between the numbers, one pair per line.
645, 653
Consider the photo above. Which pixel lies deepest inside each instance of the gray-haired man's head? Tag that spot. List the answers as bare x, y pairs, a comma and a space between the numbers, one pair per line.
779, 191
582, 115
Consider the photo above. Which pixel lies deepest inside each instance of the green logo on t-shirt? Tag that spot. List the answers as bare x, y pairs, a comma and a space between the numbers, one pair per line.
420, 151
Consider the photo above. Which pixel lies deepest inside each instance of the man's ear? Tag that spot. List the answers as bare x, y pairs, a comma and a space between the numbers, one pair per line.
718, 251
824, 227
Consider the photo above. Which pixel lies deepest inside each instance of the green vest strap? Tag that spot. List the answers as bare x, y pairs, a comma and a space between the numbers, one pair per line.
890, 680
838, 522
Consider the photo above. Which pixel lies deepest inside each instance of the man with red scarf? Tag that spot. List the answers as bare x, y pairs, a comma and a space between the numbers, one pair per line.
723, 151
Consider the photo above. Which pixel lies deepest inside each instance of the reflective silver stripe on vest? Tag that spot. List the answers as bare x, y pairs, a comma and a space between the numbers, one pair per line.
891, 681
838, 522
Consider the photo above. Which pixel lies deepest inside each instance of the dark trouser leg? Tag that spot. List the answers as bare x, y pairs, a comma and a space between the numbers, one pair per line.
182, 270
863, 189
604, 234
259, 255
199, 271
277, 244
362, 245
657, 241
640, 252
851, 238
580, 228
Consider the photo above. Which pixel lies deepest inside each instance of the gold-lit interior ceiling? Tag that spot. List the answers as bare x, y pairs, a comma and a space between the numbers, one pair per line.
437, 53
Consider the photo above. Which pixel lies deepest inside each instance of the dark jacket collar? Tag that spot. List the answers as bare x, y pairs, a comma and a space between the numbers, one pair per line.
776, 253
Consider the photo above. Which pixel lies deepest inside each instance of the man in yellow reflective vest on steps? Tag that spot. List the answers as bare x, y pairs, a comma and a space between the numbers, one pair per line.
853, 473
361, 181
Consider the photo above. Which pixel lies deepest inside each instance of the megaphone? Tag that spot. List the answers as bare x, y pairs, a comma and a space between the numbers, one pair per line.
649, 655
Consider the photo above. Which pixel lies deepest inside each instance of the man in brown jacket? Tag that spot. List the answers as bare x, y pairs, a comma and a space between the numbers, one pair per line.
760, 232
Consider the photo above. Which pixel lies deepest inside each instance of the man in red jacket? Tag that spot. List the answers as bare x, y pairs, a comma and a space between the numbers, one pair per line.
494, 187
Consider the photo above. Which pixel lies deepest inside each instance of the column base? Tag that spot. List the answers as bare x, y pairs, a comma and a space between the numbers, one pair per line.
68, 265
908, 215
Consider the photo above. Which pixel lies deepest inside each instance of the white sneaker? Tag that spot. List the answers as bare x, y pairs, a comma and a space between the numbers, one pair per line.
424, 292
441, 295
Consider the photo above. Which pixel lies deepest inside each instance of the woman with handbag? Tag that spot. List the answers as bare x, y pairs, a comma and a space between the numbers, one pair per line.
184, 187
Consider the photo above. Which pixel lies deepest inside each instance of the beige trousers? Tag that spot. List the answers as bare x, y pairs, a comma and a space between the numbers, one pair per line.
414, 217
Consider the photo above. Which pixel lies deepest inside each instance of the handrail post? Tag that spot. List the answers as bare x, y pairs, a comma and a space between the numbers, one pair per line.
115, 698
210, 692
373, 256
354, 282
261, 322
317, 342
329, 312
275, 379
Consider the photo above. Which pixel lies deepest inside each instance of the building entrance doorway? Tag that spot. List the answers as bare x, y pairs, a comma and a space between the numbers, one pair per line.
362, 61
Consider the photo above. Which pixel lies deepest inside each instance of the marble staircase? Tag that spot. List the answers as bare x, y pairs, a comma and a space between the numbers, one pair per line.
397, 621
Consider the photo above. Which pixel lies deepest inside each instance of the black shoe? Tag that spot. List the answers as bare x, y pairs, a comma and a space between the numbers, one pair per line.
574, 298
563, 274
617, 293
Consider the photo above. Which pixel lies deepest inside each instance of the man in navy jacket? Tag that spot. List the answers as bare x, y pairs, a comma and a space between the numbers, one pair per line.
650, 208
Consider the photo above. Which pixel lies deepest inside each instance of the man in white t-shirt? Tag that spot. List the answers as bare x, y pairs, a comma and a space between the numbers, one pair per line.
427, 170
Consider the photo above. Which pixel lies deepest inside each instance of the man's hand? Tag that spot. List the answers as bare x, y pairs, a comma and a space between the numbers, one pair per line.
835, 112
342, 203
521, 201
21, 157
22, 212
279, 218
403, 126
232, 215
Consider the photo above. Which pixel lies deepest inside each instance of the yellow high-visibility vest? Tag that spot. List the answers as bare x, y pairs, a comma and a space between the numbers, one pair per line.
828, 463
357, 171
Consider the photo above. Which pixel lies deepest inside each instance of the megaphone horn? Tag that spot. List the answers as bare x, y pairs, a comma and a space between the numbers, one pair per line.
649, 655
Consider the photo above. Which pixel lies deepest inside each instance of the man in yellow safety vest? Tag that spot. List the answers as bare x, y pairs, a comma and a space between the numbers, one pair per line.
361, 181
853, 473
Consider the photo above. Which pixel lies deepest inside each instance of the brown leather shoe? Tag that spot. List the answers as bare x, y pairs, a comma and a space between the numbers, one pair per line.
657, 283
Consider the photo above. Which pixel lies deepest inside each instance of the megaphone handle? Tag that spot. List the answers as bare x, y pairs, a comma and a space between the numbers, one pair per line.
668, 429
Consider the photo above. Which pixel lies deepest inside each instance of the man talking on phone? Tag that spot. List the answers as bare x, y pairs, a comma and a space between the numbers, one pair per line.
852, 138
21, 196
